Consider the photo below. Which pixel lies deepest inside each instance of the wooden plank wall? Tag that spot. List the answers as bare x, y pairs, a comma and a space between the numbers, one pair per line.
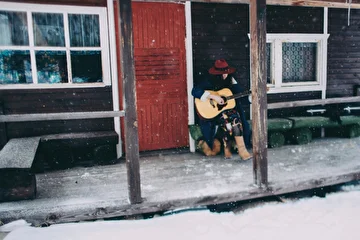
344, 53
221, 31
53, 101
285, 19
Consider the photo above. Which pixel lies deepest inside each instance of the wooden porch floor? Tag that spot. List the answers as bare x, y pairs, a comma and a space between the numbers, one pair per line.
182, 181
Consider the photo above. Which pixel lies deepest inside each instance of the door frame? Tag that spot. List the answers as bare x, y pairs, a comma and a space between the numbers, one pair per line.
117, 87
189, 70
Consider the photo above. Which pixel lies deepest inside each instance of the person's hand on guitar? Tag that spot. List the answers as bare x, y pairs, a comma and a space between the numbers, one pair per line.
216, 98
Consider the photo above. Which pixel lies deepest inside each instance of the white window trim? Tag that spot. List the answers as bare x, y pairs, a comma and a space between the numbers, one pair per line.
276, 57
47, 8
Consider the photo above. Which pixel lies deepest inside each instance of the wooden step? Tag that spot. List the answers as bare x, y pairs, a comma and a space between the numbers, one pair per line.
17, 180
19, 153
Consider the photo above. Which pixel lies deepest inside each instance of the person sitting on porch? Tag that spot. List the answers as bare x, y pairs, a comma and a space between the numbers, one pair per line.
232, 122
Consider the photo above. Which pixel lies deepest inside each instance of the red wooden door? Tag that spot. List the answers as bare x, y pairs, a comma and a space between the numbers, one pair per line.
159, 42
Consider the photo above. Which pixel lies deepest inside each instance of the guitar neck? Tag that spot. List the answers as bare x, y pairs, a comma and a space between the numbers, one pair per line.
239, 95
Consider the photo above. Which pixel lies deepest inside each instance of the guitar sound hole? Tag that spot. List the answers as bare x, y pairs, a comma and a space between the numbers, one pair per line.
223, 105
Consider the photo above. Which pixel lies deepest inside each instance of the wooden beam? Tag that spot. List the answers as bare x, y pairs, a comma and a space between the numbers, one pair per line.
59, 116
129, 95
313, 102
319, 3
258, 87
300, 3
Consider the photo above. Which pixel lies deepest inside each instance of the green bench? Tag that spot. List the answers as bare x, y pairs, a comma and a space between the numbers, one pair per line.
276, 129
302, 134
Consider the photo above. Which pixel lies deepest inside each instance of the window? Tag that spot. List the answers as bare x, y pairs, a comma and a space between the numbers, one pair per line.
45, 46
296, 62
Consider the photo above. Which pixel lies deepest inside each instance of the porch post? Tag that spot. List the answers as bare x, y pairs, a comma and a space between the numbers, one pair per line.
258, 83
129, 95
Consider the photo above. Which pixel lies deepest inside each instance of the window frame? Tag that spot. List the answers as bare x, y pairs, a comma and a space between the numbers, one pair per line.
65, 11
277, 85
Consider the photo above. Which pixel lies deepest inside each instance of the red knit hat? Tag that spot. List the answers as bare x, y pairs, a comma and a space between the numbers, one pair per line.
221, 67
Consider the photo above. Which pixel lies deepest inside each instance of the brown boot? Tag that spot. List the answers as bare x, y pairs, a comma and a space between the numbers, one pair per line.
227, 150
244, 154
216, 146
204, 147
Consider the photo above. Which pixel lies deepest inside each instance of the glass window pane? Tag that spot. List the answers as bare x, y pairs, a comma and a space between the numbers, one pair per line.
86, 66
13, 29
84, 30
51, 66
268, 62
48, 29
15, 67
299, 62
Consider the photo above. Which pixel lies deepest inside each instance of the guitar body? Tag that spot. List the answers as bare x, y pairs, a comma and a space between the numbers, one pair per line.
209, 109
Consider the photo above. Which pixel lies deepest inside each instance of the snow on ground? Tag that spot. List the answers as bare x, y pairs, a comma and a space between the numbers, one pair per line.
332, 218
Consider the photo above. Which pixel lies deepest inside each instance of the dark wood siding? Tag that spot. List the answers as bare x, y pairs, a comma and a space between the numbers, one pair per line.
284, 19
287, 19
55, 101
295, 96
221, 31
343, 53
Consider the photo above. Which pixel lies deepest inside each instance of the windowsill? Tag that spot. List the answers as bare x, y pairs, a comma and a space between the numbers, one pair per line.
289, 89
50, 86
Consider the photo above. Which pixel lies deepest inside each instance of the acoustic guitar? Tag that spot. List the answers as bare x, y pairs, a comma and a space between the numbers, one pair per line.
209, 109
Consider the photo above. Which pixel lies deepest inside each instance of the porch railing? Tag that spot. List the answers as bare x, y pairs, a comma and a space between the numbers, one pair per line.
112, 114
313, 102
60, 116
